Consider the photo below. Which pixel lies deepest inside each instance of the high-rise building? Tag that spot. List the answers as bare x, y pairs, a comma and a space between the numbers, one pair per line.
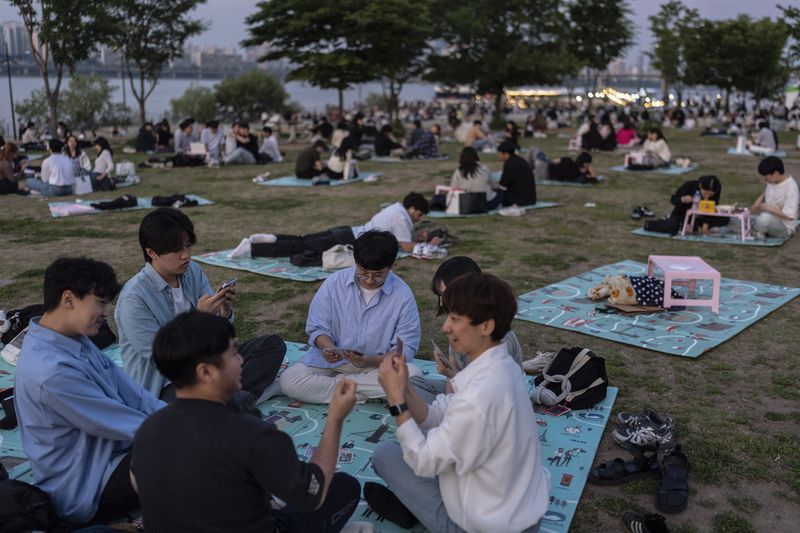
15, 39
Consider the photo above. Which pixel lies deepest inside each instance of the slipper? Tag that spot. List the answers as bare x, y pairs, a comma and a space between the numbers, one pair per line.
620, 471
384, 502
673, 492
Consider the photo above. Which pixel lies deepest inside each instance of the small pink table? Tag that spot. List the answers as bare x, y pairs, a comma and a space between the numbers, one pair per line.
681, 269
743, 216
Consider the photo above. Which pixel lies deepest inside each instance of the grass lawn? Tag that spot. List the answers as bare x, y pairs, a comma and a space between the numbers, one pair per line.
736, 408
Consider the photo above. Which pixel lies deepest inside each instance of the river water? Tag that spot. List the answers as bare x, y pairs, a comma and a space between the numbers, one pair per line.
158, 104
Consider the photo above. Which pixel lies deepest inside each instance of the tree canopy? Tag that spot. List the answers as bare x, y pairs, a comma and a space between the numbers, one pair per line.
601, 31
249, 95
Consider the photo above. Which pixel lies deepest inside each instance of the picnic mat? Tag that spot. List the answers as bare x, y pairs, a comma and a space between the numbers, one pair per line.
276, 267
82, 207
444, 214
555, 183
689, 332
729, 237
776, 153
672, 169
294, 181
390, 159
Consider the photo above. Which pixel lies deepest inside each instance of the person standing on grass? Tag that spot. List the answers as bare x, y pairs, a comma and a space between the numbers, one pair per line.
201, 467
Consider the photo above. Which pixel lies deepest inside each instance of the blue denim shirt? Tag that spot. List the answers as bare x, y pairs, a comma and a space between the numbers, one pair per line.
145, 305
338, 311
78, 413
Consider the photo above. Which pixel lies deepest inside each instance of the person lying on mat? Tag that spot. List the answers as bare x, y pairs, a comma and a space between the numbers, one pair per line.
471, 460
450, 363
473, 176
199, 466
57, 177
517, 177
169, 284
776, 209
578, 171
309, 161
397, 218
359, 316
78, 411
385, 145
707, 188
765, 141
655, 152
427, 147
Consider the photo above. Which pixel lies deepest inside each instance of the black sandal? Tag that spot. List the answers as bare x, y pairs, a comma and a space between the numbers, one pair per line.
619, 471
673, 492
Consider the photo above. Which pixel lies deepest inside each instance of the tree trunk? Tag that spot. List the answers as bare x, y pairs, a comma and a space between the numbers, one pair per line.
341, 101
727, 99
52, 103
498, 102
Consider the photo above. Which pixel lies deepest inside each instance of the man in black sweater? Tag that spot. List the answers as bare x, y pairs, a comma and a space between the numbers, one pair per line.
517, 178
199, 466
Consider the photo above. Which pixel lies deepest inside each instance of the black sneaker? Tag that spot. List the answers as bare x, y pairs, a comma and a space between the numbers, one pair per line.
646, 211
644, 523
386, 504
636, 214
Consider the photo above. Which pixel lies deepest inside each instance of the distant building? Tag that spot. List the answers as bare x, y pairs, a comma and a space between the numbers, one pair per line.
15, 39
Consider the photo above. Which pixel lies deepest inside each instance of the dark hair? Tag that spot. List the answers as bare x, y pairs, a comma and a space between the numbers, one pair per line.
507, 147
448, 271
267, 129
186, 341
658, 132
770, 165
80, 275
711, 183
67, 151
102, 142
165, 230
213, 124
55, 145
375, 250
468, 161
584, 158
482, 297
386, 129
417, 123
319, 143
627, 123
477, 123
417, 201
245, 125
8, 152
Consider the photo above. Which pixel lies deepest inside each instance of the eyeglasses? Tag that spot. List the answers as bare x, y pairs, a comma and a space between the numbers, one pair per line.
376, 277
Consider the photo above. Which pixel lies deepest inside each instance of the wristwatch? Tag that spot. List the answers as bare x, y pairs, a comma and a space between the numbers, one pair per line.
397, 410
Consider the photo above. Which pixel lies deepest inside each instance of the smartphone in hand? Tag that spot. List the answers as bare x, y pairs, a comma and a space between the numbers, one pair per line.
439, 355
230, 283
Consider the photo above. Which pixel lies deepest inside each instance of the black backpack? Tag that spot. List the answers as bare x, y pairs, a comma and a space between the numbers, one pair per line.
576, 378
18, 320
24, 507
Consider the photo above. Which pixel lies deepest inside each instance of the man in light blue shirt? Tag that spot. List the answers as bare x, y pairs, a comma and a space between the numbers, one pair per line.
77, 411
168, 285
359, 315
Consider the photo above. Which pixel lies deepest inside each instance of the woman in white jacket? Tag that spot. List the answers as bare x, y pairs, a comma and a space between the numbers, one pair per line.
473, 176
655, 152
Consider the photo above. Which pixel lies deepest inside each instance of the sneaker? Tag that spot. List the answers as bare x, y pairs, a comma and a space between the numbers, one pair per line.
636, 214
644, 523
384, 502
661, 437
645, 417
646, 211
537, 364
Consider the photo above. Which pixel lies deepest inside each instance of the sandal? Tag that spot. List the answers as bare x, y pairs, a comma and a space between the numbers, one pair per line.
619, 471
673, 492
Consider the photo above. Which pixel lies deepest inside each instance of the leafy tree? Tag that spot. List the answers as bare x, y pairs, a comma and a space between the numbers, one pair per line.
34, 109
494, 44
251, 94
85, 101
197, 102
601, 32
319, 37
671, 27
150, 34
67, 32
117, 114
791, 19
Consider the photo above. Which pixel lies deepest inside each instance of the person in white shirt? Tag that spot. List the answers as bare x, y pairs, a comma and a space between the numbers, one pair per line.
765, 142
655, 152
776, 208
230, 139
473, 176
212, 137
102, 176
269, 150
182, 137
57, 177
471, 460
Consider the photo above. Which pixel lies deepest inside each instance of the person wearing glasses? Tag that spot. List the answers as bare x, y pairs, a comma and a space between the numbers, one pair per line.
359, 316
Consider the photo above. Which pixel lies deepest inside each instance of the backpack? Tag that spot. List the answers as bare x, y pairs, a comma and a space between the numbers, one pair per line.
576, 378
18, 320
24, 507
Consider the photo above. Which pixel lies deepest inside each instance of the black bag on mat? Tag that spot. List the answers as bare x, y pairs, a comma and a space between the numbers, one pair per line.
24, 507
438, 202
669, 225
470, 203
19, 319
576, 378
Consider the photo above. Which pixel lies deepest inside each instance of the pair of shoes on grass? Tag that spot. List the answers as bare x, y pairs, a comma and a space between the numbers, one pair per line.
646, 428
641, 211
644, 523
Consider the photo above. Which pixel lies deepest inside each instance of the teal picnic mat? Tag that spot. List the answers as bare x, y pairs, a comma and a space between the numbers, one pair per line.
672, 169
443, 214
688, 333
776, 153
276, 267
729, 237
389, 159
82, 207
294, 181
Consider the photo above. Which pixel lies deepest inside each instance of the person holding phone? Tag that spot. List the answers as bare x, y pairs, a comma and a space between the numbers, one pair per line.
170, 284
452, 362
358, 316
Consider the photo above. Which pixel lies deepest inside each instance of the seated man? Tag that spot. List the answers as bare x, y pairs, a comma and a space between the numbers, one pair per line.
358, 316
170, 284
776, 208
199, 466
517, 177
475, 136
78, 411
146, 139
385, 145
269, 152
427, 147
246, 152
309, 161
58, 173
765, 142
213, 138
398, 219
183, 137
471, 460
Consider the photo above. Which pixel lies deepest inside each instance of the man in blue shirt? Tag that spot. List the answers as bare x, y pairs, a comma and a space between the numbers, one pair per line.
168, 285
78, 412
357, 317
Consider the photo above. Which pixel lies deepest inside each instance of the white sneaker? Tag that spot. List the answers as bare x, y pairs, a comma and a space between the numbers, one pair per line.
512, 211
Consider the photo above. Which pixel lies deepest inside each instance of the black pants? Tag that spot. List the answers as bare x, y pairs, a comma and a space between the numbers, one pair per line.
289, 245
339, 505
307, 174
118, 497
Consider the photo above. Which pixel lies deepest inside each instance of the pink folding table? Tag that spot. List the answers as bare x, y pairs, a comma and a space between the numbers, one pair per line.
743, 216
682, 269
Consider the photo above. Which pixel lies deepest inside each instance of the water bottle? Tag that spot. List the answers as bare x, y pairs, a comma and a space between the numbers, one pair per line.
696, 200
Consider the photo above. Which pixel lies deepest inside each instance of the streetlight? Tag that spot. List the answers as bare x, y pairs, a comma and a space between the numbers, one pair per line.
10, 93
